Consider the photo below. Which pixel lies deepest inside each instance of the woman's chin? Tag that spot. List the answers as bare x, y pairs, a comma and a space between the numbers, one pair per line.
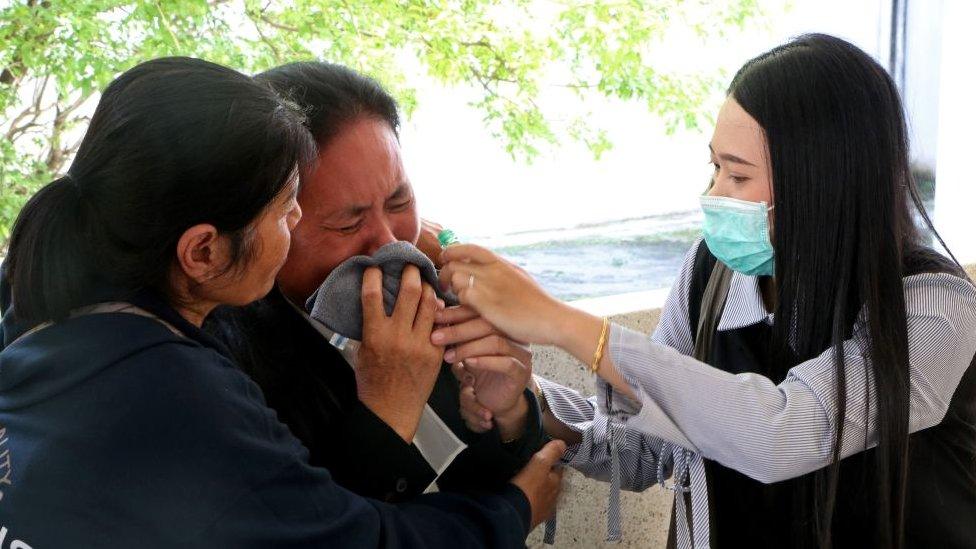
251, 294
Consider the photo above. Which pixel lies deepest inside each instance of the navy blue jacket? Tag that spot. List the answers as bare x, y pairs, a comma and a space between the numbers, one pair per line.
116, 432
311, 387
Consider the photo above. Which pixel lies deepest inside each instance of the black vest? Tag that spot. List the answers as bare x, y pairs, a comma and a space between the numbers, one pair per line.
941, 505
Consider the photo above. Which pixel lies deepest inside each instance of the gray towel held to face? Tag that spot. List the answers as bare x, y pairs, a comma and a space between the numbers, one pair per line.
338, 301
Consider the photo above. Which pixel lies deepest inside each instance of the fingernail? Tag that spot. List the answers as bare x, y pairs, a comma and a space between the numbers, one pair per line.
437, 337
448, 356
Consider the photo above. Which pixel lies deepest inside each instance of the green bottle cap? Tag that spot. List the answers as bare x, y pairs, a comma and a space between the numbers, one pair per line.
446, 238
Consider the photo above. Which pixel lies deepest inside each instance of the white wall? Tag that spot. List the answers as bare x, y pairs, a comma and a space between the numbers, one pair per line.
955, 191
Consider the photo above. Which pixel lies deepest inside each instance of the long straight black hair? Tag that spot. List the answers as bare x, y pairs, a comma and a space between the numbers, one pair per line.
844, 237
173, 142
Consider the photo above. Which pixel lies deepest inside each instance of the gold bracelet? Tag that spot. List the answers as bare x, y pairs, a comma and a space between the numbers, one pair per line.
540, 398
598, 355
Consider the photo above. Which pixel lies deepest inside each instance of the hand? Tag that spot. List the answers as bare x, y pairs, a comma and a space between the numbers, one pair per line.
428, 243
505, 295
541, 480
398, 364
492, 367
475, 416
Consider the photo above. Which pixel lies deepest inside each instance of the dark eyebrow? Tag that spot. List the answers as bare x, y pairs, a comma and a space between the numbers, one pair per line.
347, 213
401, 190
732, 158
357, 210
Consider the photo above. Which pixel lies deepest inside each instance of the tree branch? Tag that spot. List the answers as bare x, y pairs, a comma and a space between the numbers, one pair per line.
15, 71
34, 110
255, 20
57, 155
75, 104
277, 25
165, 21
15, 129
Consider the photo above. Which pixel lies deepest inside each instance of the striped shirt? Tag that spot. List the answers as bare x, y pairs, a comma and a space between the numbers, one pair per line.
688, 410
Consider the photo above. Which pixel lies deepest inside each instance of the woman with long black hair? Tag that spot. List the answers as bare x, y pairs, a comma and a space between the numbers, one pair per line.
813, 364
122, 424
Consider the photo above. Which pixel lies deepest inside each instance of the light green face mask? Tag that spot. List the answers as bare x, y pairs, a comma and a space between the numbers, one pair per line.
737, 233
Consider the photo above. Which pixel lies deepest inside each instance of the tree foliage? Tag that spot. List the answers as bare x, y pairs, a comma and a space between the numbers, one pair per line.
56, 54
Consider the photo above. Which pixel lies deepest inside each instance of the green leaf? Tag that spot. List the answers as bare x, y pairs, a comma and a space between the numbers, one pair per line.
507, 51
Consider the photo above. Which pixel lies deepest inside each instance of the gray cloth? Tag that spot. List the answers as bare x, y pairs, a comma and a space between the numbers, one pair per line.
338, 301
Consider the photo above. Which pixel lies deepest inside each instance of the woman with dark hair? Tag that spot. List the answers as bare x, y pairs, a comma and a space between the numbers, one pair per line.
122, 424
813, 366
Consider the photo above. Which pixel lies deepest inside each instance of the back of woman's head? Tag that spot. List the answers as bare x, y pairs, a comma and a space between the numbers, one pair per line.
173, 142
843, 234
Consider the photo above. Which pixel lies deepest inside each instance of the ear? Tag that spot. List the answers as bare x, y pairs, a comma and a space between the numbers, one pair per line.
200, 253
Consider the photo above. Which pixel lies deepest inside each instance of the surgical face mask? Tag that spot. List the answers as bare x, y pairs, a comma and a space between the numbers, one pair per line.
737, 233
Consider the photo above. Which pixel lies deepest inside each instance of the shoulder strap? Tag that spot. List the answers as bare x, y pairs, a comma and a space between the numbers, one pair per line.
101, 308
712, 304
707, 294
700, 272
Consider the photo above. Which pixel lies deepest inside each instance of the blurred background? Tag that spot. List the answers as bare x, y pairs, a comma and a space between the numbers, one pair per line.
569, 135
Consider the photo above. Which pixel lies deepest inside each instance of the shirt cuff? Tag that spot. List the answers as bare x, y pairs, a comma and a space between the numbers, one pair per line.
573, 417
387, 468
643, 415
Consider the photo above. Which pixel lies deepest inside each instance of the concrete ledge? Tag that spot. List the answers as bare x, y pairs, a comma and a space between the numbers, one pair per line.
582, 512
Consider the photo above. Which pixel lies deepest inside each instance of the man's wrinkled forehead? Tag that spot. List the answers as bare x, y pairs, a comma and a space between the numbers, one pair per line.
349, 207
358, 169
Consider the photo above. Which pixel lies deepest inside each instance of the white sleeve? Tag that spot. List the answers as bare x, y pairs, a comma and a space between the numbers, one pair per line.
639, 454
774, 432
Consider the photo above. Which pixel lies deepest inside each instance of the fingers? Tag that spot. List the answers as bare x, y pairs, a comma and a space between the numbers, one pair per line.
551, 453
504, 365
489, 345
468, 253
372, 295
424, 322
463, 333
411, 291
446, 274
427, 241
477, 417
462, 375
541, 480
456, 315
430, 226
463, 280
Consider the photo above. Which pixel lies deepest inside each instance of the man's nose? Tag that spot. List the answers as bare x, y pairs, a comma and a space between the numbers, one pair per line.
382, 236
